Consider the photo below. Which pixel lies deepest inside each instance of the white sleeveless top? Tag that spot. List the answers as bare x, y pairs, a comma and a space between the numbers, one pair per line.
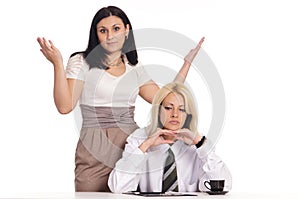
103, 89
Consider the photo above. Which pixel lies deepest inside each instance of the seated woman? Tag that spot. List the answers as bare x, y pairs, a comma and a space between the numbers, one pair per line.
146, 164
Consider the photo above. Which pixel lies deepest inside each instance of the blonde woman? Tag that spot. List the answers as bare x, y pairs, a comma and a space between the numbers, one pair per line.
173, 126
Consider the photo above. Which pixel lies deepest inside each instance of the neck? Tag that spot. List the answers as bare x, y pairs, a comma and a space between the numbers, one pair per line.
169, 137
114, 59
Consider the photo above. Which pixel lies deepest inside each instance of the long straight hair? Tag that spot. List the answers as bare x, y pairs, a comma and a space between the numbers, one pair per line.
190, 107
94, 53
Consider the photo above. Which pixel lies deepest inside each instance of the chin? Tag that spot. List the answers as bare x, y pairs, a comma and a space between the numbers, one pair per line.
173, 128
112, 48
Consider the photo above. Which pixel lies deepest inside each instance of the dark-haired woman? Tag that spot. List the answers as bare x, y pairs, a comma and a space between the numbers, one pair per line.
106, 79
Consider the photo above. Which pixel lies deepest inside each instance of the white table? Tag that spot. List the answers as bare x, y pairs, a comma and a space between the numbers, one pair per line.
102, 195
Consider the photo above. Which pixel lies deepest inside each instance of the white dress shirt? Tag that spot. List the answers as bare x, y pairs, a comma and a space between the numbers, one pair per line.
103, 89
146, 169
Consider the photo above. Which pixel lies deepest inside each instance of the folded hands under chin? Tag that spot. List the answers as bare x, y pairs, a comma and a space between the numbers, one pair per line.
187, 136
165, 136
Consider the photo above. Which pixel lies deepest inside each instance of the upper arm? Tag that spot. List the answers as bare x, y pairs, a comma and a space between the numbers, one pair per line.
75, 72
148, 90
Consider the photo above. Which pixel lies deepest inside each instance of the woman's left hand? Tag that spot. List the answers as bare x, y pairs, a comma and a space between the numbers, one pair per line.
188, 136
192, 54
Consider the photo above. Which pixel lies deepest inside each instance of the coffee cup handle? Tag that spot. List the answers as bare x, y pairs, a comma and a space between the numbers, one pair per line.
205, 184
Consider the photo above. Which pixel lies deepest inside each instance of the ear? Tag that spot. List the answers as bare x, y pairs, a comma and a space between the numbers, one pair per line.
127, 29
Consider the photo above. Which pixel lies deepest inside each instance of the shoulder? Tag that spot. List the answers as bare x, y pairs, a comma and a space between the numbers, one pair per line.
77, 59
77, 67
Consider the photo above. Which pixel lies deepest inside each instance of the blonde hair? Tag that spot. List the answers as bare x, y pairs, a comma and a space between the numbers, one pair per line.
189, 105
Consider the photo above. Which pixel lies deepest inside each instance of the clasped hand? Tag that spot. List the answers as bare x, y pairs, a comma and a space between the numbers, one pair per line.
163, 136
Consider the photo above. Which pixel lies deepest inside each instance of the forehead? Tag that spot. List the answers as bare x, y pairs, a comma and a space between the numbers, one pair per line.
110, 21
174, 98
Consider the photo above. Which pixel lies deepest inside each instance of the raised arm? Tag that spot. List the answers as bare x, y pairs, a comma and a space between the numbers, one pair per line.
181, 75
66, 92
149, 89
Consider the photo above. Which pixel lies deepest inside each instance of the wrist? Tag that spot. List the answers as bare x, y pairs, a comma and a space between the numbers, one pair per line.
197, 138
187, 63
200, 142
144, 146
58, 65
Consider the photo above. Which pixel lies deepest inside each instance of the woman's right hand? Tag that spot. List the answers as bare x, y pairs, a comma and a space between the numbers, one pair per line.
157, 138
50, 51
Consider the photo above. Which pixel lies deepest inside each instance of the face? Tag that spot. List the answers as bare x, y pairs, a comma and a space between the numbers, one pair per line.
111, 33
172, 112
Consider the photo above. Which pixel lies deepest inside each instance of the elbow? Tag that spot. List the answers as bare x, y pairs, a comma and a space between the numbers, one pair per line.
113, 186
116, 190
64, 110
64, 107
113, 190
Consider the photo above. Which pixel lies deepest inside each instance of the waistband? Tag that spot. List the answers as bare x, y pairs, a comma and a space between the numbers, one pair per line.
107, 117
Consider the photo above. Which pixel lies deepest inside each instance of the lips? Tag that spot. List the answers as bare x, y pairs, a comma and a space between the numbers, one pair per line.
111, 43
174, 122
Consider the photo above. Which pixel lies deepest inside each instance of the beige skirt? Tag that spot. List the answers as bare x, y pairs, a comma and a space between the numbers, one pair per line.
100, 146
96, 154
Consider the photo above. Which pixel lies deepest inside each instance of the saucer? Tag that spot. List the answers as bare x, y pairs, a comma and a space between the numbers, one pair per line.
216, 192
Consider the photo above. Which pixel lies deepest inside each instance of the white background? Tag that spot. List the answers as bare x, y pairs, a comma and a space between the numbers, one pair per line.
253, 44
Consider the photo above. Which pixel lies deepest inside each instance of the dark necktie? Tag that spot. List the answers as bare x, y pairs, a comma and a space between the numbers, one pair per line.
170, 182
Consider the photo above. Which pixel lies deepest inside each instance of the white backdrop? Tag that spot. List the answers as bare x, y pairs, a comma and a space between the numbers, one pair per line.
253, 44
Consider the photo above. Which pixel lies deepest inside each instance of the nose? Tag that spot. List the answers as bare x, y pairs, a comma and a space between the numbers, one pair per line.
174, 113
110, 35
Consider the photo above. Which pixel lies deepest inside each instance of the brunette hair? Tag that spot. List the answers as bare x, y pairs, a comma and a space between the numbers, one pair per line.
94, 52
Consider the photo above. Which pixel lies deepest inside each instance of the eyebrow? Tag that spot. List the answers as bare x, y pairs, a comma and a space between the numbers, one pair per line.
117, 24
168, 103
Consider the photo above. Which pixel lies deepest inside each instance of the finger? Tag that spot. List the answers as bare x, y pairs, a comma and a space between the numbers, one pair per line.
180, 131
169, 133
201, 41
165, 131
43, 52
172, 131
185, 140
200, 44
167, 141
41, 42
51, 44
180, 138
46, 43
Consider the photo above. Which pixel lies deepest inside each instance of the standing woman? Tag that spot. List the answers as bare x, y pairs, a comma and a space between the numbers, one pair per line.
106, 79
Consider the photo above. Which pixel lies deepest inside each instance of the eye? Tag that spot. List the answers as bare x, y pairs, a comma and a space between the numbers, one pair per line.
102, 31
182, 110
116, 28
168, 108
